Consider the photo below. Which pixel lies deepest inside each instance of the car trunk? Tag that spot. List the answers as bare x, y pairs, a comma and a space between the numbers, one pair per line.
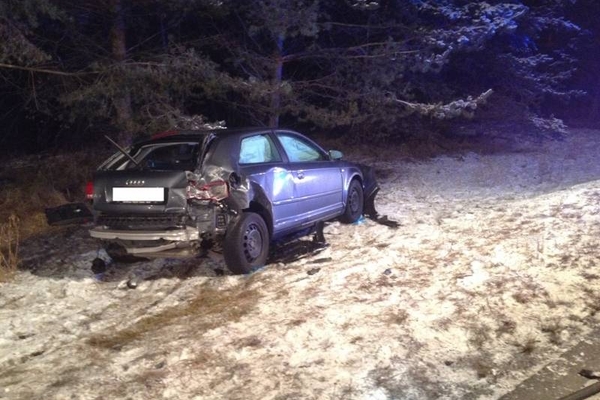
146, 183
140, 199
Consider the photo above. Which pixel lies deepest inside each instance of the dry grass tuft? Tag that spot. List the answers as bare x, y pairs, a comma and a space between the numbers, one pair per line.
523, 297
529, 345
592, 301
9, 248
588, 276
506, 326
250, 341
390, 380
28, 204
397, 317
209, 309
482, 366
593, 305
348, 391
65, 379
36, 183
553, 328
385, 281
150, 378
528, 291
479, 335
296, 322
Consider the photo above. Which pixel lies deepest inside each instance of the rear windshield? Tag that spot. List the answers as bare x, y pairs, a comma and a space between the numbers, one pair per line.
159, 156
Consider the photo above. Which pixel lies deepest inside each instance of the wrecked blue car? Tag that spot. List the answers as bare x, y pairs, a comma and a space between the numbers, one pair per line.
235, 190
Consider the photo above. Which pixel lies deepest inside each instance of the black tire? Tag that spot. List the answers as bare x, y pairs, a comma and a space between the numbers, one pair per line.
246, 244
355, 203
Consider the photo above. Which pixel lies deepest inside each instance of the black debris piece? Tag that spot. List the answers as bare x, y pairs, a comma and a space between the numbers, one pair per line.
132, 283
98, 266
384, 220
321, 260
319, 237
67, 214
589, 374
296, 250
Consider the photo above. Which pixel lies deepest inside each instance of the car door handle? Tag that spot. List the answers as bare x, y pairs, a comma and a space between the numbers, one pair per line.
300, 175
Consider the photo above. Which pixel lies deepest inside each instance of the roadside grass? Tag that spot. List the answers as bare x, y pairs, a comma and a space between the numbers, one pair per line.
211, 308
27, 202
9, 248
30, 184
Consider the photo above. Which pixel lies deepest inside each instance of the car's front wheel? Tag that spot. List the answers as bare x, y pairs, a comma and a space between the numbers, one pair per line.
355, 203
246, 244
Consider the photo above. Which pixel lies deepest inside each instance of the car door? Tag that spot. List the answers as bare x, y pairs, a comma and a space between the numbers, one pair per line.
260, 160
318, 182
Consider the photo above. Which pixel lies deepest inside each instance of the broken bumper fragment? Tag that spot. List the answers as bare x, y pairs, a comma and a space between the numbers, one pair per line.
176, 235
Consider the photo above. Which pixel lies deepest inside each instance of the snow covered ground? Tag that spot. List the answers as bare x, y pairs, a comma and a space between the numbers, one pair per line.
492, 274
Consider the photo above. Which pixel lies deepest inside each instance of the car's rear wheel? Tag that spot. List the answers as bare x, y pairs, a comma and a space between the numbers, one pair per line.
246, 244
355, 203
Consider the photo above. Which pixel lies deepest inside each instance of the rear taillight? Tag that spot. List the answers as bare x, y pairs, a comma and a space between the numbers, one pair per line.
215, 191
89, 190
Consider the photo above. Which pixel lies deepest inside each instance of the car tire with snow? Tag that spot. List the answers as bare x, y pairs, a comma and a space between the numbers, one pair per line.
355, 203
246, 244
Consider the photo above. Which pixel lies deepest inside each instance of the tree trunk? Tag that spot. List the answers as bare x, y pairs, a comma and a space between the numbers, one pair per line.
121, 101
275, 108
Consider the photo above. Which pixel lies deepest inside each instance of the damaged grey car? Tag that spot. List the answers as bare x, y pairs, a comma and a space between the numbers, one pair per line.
234, 190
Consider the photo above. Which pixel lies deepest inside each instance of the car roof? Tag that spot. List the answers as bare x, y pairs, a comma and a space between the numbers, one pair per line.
196, 134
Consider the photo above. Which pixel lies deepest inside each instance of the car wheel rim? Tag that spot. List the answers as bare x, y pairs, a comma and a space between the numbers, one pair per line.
253, 243
354, 201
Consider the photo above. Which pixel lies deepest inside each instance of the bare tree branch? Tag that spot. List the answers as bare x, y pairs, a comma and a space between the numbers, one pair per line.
46, 71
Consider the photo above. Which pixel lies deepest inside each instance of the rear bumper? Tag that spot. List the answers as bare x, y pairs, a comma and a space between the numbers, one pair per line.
175, 235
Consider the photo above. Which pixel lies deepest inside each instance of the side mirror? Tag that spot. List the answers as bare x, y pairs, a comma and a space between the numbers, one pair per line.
335, 155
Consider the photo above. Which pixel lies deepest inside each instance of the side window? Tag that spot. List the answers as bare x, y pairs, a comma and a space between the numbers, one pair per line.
299, 150
258, 149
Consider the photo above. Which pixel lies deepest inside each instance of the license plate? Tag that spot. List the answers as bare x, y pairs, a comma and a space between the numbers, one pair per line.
138, 194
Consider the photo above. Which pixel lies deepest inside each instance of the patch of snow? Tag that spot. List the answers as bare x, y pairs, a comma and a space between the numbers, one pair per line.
491, 275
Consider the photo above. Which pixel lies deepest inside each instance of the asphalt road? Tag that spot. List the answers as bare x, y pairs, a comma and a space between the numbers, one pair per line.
561, 378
